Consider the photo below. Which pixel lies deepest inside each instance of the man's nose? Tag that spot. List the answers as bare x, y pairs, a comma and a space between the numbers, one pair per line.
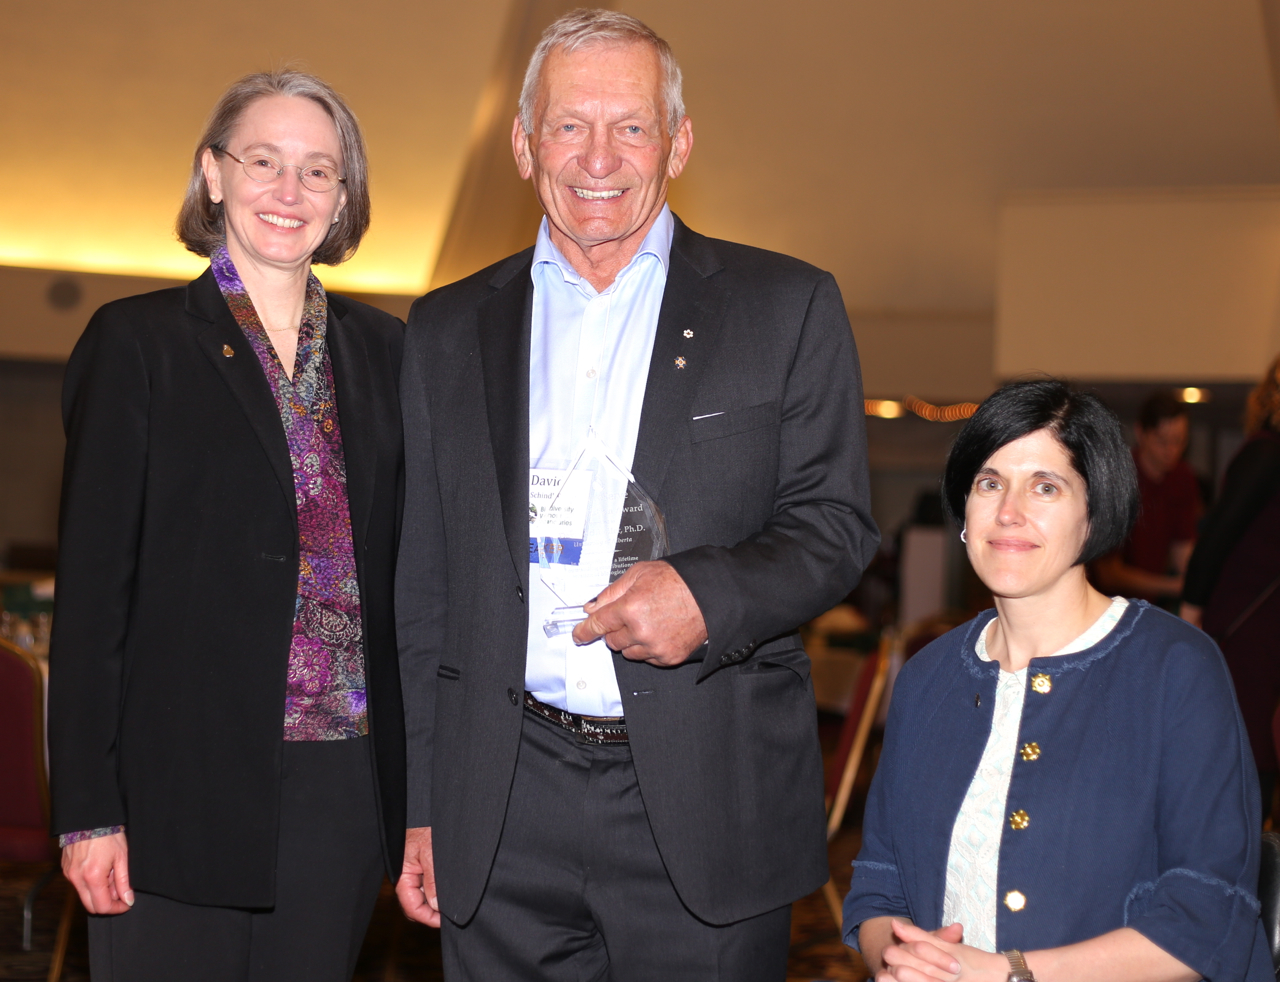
600, 157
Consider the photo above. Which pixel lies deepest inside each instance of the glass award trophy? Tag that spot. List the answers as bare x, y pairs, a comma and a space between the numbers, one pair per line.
596, 549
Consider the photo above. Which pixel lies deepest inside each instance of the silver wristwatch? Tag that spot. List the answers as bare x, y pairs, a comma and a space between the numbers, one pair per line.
1018, 971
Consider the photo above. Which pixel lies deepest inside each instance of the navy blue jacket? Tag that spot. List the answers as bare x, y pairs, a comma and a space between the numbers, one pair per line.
1143, 800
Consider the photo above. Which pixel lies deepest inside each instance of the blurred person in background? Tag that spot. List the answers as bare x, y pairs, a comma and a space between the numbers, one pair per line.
1153, 559
1065, 792
1233, 579
225, 726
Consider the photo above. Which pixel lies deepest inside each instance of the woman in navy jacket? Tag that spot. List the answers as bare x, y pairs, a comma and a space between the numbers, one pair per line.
1066, 790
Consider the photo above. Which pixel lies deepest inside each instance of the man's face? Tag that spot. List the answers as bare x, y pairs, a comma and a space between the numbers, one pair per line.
1161, 447
601, 155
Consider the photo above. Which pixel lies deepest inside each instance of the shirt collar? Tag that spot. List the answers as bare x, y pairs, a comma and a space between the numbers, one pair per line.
657, 243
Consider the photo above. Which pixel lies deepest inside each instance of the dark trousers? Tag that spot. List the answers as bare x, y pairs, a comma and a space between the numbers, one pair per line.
328, 872
578, 890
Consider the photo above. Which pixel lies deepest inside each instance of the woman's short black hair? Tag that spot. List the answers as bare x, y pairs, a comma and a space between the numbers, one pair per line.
1087, 430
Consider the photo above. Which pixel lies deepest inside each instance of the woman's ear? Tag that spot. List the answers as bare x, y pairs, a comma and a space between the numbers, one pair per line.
212, 175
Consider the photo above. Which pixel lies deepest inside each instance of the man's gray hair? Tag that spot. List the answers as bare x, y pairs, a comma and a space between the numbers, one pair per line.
583, 27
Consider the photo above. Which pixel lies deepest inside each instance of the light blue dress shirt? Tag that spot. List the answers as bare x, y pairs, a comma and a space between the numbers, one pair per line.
588, 366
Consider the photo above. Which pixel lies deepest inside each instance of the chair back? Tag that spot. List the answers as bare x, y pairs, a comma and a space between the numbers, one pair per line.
1269, 895
24, 806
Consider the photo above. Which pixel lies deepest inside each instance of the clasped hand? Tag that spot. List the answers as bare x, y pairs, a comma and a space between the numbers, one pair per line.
937, 956
647, 614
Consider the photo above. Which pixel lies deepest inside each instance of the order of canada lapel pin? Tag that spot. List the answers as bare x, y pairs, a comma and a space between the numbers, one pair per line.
688, 333
680, 362
228, 351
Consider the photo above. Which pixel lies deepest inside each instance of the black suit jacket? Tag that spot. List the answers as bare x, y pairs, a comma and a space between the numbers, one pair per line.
177, 578
768, 514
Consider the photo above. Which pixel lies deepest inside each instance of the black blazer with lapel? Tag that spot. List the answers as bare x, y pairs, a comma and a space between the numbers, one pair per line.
755, 450
177, 577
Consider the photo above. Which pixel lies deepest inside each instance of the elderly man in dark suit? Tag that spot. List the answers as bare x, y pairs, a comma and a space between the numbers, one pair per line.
639, 797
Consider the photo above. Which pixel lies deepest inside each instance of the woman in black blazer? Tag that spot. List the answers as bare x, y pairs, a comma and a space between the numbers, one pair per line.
225, 723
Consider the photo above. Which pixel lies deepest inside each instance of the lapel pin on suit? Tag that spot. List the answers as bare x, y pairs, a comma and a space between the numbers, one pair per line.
688, 333
680, 362
228, 351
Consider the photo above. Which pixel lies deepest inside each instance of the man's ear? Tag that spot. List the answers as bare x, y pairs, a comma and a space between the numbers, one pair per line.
520, 147
681, 147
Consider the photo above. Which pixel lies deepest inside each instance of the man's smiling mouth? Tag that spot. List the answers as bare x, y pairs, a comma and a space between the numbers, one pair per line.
596, 195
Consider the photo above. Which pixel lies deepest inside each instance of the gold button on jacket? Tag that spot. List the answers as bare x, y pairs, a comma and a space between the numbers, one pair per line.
1041, 683
1015, 900
1019, 820
1030, 751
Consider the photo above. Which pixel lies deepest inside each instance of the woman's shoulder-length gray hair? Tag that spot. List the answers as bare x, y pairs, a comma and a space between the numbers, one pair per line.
200, 226
582, 27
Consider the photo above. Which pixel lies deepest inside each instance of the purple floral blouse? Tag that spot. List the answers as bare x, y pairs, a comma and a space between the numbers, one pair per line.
325, 698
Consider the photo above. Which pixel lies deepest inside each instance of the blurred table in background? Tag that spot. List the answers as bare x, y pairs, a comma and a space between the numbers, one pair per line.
26, 610
837, 643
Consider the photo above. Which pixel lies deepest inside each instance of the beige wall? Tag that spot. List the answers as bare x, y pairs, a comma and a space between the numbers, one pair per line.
31, 447
32, 327
938, 356
1159, 285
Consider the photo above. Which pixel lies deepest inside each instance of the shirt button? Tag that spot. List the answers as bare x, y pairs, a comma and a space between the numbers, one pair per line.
515, 699
1019, 820
1030, 751
1015, 900
582, 684
1041, 683
591, 373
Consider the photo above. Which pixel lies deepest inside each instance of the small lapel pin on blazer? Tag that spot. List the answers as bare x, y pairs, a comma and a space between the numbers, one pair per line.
688, 333
680, 362
228, 351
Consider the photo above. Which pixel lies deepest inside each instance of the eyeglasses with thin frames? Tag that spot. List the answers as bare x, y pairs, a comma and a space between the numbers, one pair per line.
264, 169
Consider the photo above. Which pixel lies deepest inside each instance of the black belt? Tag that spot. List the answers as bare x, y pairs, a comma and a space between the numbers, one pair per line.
591, 729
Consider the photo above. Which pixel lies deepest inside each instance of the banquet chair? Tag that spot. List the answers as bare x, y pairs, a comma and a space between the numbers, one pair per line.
853, 743
869, 692
24, 808
1269, 894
